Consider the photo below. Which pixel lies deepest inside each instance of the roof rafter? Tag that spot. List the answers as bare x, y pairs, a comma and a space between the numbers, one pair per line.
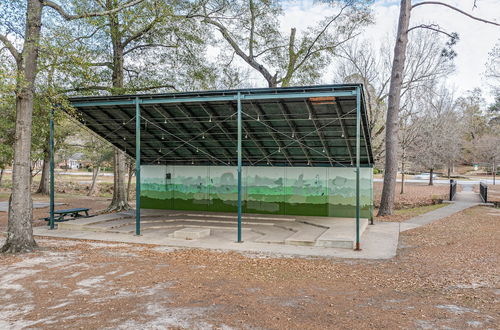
187, 112
345, 134
222, 126
260, 113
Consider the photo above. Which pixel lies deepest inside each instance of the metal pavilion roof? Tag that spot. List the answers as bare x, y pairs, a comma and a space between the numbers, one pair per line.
295, 126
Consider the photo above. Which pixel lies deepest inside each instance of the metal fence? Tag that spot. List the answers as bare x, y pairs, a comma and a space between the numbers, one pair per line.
453, 189
483, 191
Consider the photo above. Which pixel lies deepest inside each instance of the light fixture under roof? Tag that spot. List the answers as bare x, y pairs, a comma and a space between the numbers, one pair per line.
323, 100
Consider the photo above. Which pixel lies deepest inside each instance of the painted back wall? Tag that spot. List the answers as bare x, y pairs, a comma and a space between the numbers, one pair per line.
314, 191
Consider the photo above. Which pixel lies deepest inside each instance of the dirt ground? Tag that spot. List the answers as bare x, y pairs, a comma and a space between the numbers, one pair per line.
415, 194
446, 275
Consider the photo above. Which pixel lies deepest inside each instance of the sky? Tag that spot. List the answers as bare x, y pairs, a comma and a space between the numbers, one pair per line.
476, 39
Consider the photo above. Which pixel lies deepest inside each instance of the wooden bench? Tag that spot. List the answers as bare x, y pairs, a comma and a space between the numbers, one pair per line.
69, 214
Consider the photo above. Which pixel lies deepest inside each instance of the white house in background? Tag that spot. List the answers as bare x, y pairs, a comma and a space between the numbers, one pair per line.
75, 161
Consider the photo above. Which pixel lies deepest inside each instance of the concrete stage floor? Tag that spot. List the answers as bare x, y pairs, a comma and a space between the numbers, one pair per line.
283, 235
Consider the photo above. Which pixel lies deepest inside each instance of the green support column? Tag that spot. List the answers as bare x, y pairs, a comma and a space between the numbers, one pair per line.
51, 127
239, 168
137, 167
358, 137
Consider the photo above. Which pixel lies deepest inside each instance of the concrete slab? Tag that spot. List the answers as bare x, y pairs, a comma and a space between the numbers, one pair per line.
191, 233
379, 242
306, 235
273, 235
267, 234
341, 234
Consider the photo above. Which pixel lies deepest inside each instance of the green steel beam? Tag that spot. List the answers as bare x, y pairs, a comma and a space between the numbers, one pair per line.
102, 103
239, 168
137, 168
52, 195
358, 144
195, 99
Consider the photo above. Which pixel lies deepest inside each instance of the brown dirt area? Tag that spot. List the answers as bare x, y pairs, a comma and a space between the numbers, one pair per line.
416, 194
417, 198
446, 275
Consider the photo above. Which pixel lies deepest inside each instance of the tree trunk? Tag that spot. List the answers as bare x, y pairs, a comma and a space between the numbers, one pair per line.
494, 171
449, 172
402, 177
120, 200
44, 187
1, 176
19, 228
95, 174
391, 129
431, 179
130, 174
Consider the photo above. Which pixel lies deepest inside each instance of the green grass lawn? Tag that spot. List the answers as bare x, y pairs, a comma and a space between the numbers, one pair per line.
414, 211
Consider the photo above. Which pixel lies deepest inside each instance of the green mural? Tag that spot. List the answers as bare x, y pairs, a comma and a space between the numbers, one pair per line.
318, 191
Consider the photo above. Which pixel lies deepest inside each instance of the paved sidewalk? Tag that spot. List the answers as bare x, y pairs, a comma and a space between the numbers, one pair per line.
463, 200
4, 206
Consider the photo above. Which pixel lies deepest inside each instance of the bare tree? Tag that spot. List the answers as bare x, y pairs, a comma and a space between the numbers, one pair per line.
437, 141
438, 137
361, 62
391, 161
409, 127
250, 28
486, 150
493, 69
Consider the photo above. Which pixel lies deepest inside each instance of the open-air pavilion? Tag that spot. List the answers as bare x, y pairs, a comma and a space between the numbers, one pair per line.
298, 151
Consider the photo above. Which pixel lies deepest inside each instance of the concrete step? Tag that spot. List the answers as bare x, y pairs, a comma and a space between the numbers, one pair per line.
191, 233
157, 225
341, 234
272, 235
306, 234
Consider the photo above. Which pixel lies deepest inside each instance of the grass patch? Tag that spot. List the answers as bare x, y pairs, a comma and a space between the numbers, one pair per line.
400, 215
414, 211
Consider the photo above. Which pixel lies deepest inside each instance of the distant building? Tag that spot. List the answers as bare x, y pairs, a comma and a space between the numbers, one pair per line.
75, 161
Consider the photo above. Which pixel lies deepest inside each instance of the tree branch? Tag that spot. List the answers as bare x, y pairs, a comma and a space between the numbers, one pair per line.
86, 88
433, 27
251, 61
106, 88
108, 64
143, 89
13, 51
252, 29
70, 17
268, 50
141, 32
455, 9
148, 46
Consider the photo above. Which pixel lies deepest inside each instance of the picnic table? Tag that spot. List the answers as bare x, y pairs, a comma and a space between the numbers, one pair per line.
69, 214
